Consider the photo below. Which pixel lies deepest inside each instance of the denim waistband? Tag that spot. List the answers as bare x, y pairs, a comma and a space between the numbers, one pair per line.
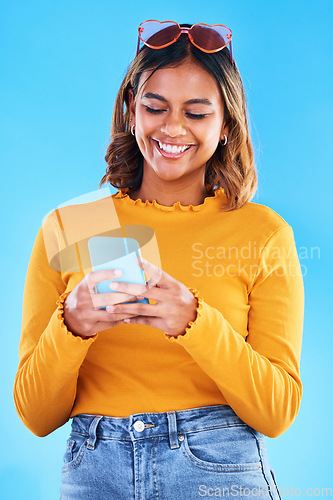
147, 425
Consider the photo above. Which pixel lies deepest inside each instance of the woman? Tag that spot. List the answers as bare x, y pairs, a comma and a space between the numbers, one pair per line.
172, 398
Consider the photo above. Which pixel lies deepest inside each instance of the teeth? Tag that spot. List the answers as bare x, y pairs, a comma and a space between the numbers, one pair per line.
172, 149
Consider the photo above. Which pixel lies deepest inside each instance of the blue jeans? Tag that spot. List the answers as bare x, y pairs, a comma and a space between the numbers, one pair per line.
188, 454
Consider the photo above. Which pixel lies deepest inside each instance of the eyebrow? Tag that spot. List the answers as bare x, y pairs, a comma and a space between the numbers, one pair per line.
151, 95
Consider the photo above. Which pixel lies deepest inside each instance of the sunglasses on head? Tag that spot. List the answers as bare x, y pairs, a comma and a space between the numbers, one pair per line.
157, 35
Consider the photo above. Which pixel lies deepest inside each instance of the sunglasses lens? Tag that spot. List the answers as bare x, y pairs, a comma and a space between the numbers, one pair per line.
158, 34
211, 38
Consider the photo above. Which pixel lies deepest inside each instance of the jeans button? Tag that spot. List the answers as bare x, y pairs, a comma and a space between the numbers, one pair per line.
139, 426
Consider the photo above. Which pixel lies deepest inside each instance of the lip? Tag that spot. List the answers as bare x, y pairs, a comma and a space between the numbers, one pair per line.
172, 155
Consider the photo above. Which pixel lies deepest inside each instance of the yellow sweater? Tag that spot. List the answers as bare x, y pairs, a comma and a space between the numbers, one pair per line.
243, 349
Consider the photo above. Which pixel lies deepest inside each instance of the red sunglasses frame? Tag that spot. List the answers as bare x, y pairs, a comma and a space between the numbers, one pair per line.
184, 30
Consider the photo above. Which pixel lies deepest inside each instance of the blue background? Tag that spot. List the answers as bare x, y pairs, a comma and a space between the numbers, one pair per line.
62, 63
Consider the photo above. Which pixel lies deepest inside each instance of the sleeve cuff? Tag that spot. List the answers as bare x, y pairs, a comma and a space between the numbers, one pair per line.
60, 317
191, 324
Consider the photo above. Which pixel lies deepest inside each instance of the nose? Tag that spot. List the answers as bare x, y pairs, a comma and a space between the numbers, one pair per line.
173, 125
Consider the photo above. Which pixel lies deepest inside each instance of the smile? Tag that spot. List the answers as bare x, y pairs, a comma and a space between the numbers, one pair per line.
172, 150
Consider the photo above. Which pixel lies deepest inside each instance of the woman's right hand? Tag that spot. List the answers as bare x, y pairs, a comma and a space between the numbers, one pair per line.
82, 315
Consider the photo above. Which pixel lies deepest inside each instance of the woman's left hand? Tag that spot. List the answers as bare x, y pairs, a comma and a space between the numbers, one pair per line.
175, 304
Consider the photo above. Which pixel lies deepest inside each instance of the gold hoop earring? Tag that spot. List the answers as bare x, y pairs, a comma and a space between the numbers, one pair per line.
225, 140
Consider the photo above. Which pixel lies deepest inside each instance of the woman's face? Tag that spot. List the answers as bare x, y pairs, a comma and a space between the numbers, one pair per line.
178, 117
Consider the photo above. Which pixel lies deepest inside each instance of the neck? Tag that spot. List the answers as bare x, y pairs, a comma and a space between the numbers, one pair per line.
167, 193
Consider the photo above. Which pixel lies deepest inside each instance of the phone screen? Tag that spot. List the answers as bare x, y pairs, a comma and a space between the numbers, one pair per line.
107, 252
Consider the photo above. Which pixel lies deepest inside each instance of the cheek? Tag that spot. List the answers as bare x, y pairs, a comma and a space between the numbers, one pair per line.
211, 139
147, 123
207, 131
142, 130
146, 128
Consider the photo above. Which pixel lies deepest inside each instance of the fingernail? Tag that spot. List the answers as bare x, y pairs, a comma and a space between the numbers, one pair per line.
110, 309
118, 272
139, 297
127, 320
114, 284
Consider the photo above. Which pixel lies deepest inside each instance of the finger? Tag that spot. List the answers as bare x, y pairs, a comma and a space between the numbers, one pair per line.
105, 325
95, 277
149, 321
103, 299
138, 309
155, 273
138, 290
146, 320
156, 294
101, 315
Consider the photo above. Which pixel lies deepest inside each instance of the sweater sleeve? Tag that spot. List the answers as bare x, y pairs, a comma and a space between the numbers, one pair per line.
258, 375
49, 355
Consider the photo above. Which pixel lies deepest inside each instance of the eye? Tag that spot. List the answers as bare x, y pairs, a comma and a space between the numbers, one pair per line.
154, 111
192, 116
195, 117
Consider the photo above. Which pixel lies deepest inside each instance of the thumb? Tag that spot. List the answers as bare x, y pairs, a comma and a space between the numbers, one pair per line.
157, 276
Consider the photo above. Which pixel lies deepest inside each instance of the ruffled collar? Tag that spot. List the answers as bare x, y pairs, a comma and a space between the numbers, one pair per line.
123, 193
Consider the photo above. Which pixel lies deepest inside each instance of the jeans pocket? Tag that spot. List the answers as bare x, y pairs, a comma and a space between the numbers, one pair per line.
276, 486
223, 449
75, 450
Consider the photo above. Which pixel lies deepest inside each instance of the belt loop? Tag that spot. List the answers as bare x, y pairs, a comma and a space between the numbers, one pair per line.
173, 438
92, 433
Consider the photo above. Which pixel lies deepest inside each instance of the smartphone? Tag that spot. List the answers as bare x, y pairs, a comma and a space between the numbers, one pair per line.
107, 252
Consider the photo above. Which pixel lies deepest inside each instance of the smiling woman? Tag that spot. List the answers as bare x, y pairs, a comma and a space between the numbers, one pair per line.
195, 99
179, 119
171, 385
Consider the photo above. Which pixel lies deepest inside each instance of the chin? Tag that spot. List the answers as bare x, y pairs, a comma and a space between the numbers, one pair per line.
168, 178
169, 173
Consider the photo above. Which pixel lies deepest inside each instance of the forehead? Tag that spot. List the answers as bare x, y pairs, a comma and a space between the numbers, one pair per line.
188, 80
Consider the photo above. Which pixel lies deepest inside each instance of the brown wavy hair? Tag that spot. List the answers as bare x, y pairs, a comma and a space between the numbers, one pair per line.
231, 167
